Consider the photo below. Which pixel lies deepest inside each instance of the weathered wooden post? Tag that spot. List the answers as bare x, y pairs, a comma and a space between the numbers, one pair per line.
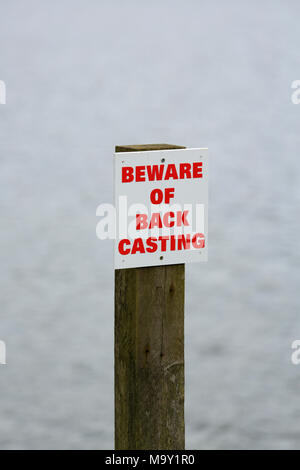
149, 352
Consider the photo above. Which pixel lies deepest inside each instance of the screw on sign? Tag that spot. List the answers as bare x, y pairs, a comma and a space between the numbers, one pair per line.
166, 191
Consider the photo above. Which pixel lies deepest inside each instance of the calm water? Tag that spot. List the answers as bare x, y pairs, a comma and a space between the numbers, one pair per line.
82, 77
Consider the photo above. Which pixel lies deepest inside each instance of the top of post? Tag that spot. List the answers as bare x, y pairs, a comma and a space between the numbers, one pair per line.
145, 147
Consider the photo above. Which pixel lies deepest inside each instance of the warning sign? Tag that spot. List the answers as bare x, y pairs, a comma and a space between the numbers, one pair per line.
161, 201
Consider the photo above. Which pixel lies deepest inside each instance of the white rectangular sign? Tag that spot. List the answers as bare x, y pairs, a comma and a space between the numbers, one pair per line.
161, 199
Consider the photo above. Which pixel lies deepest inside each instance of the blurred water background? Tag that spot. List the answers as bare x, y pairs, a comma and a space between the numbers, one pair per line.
82, 76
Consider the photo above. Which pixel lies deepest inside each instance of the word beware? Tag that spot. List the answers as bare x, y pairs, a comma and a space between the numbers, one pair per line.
172, 171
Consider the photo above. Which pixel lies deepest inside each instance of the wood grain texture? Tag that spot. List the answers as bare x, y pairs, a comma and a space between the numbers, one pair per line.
149, 355
146, 147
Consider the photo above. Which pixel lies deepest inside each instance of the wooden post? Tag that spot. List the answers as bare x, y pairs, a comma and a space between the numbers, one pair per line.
149, 352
